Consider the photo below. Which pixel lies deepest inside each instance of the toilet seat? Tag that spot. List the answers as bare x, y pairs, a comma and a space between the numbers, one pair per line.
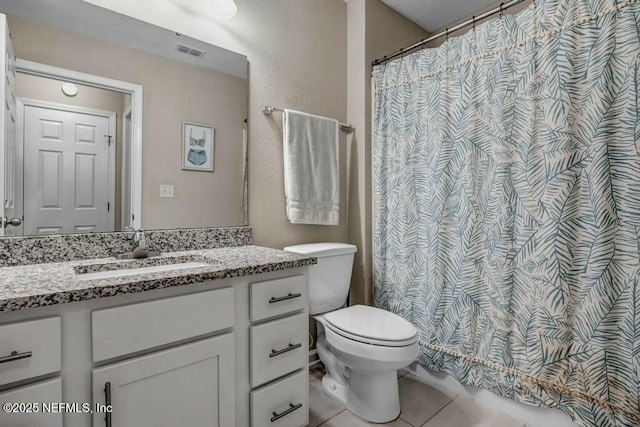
371, 341
370, 325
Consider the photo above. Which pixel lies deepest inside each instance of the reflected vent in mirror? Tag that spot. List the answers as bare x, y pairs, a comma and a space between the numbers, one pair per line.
189, 50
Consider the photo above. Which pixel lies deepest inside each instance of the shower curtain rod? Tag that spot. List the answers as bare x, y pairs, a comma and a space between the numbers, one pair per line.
267, 110
499, 9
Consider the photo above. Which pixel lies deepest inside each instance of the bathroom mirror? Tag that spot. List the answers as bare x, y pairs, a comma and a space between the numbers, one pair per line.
119, 123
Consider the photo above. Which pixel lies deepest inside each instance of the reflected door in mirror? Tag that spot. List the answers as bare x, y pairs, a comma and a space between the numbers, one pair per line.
66, 161
10, 212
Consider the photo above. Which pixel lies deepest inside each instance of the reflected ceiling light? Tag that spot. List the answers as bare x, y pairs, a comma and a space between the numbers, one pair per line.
225, 8
212, 8
69, 89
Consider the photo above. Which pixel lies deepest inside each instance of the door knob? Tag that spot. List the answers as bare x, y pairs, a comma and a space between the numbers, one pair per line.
16, 222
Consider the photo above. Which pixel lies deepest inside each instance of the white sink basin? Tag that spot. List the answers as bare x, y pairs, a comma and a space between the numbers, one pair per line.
140, 270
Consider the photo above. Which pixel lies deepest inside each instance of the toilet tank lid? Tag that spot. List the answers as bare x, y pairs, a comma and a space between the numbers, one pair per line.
322, 249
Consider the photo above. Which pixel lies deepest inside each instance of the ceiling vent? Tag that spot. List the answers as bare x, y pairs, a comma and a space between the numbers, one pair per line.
188, 50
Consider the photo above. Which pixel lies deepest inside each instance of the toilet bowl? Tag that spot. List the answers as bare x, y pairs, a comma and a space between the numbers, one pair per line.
361, 347
363, 376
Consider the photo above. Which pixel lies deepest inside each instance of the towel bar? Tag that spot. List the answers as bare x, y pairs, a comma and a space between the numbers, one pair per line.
267, 110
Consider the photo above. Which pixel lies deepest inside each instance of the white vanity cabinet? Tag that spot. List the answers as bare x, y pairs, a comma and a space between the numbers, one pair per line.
189, 356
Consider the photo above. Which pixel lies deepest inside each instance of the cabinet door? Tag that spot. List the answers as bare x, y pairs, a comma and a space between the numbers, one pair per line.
188, 386
32, 415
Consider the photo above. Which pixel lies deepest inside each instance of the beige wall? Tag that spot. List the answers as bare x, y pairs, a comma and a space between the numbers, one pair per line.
50, 90
381, 31
173, 92
298, 59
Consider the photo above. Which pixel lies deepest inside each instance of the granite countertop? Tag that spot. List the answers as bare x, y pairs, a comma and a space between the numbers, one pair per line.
38, 285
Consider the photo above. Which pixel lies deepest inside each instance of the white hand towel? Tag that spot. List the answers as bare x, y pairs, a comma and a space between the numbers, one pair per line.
311, 171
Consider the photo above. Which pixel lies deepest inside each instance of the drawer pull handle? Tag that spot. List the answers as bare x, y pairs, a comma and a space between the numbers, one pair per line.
288, 296
292, 407
290, 347
15, 356
107, 402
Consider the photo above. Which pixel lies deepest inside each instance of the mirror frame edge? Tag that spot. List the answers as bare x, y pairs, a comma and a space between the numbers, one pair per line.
136, 91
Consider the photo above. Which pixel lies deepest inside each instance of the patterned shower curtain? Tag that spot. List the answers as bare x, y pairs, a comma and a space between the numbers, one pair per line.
507, 205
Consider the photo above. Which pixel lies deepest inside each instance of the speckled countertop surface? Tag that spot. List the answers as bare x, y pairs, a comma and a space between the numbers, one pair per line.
38, 285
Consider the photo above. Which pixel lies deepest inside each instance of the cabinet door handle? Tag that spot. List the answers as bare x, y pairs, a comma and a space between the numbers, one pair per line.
290, 347
284, 298
107, 402
292, 407
15, 356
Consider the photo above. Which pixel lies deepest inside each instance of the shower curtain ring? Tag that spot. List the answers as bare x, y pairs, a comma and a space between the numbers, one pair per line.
501, 11
446, 34
474, 23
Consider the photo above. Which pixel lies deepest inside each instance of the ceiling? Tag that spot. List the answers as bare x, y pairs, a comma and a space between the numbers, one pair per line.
97, 22
435, 14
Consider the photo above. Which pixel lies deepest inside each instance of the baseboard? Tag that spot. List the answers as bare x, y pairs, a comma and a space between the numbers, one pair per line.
532, 415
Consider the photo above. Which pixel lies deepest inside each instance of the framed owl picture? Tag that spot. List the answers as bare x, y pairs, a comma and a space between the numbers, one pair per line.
197, 147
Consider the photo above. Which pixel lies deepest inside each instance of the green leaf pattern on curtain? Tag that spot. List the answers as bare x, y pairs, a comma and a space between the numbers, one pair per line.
507, 205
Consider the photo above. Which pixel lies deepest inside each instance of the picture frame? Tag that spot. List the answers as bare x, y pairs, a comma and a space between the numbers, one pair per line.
198, 142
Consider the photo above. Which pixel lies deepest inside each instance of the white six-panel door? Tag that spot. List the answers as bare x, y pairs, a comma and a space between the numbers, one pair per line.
66, 170
9, 162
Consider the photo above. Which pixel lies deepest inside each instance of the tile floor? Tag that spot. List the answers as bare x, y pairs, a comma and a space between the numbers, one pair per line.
441, 409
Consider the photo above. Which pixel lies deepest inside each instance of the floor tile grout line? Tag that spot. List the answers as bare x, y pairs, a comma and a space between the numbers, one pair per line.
329, 419
407, 421
439, 410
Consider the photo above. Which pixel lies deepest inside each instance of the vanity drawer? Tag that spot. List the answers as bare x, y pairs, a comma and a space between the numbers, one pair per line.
282, 404
128, 329
37, 345
278, 347
39, 394
275, 297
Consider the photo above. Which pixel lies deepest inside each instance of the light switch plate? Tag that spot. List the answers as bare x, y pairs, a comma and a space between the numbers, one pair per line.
166, 191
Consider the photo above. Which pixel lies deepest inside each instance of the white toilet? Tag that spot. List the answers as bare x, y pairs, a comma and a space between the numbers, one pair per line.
361, 347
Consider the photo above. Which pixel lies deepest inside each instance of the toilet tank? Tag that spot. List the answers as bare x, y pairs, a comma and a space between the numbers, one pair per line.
329, 279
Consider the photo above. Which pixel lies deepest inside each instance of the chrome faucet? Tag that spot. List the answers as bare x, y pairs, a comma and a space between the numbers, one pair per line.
140, 245
140, 240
